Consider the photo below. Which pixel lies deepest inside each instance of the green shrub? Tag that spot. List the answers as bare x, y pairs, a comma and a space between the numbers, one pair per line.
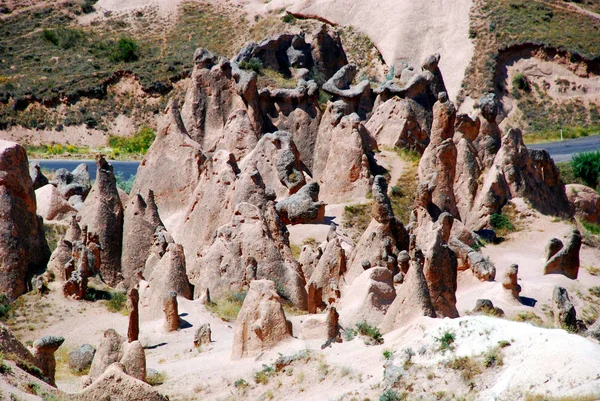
493, 357
117, 301
254, 64
65, 38
262, 376
372, 332
289, 19
126, 49
5, 306
156, 379
125, 183
137, 144
591, 227
520, 82
587, 167
388, 354
390, 395
446, 341
467, 366
499, 221
240, 383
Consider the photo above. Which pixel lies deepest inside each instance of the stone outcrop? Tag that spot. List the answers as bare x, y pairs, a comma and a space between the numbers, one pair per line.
202, 336
302, 207
413, 297
172, 167
401, 123
384, 238
51, 205
73, 186
43, 352
116, 384
368, 298
483, 268
134, 360
585, 202
102, 213
566, 259
170, 308
510, 281
22, 240
109, 351
327, 51
341, 165
277, 160
261, 323
486, 307
140, 222
252, 246
323, 288
11, 346
358, 98
489, 139
565, 316
81, 358
221, 108
37, 177
133, 328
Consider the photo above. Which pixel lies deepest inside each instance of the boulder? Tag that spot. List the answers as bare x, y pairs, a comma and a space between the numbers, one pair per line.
171, 311
51, 205
485, 306
565, 316
202, 336
327, 52
140, 222
368, 298
134, 360
401, 123
585, 202
43, 352
102, 213
261, 323
37, 177
22, 239
81, 358
566, 260
74, 183
302, 207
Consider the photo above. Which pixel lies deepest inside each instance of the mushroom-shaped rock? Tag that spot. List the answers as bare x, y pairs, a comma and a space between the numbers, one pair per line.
22, 240
261, 323
102, 213
357, 97
302, 207
43, 352
510, 281
566, 260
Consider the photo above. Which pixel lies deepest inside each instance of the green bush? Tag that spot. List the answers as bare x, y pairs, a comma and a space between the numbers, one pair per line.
446, 341
499, 221
137, 144
587, 167
5, 306
390, 395
117, 301
262, 376
254, 64
365, 329
125, 50
65, 38
125, 183
520, 82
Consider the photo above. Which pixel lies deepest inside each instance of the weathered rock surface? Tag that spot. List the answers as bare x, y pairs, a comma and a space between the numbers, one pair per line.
171, 310
358, 98
51, 205
252, 246
323, 288
73, 184
202, 336
261, 323
140, 222
302, 207
134, 360
37, 177
11, 346
81, 358
109, 351
102, 213
565, 316
486, 307
22, 240
43, 352
483, 268
566, 260
368, 298
585, 202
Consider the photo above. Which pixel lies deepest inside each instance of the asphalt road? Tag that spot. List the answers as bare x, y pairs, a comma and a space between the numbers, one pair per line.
564, 151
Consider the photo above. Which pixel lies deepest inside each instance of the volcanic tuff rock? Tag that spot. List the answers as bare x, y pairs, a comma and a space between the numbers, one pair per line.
323, 287
22, 240
261, 323
302, 207
81, 358
564, 260
51, 204
510, 281
140, 222
221, 109
109, 351
43, 352
468, 258
252, 246
37, 177
102, 213
358, 98
585, 202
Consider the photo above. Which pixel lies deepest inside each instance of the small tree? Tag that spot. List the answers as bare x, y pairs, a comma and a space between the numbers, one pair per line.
125, 50
587, 167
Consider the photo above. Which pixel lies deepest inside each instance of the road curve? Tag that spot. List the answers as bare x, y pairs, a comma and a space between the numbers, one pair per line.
564, 151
